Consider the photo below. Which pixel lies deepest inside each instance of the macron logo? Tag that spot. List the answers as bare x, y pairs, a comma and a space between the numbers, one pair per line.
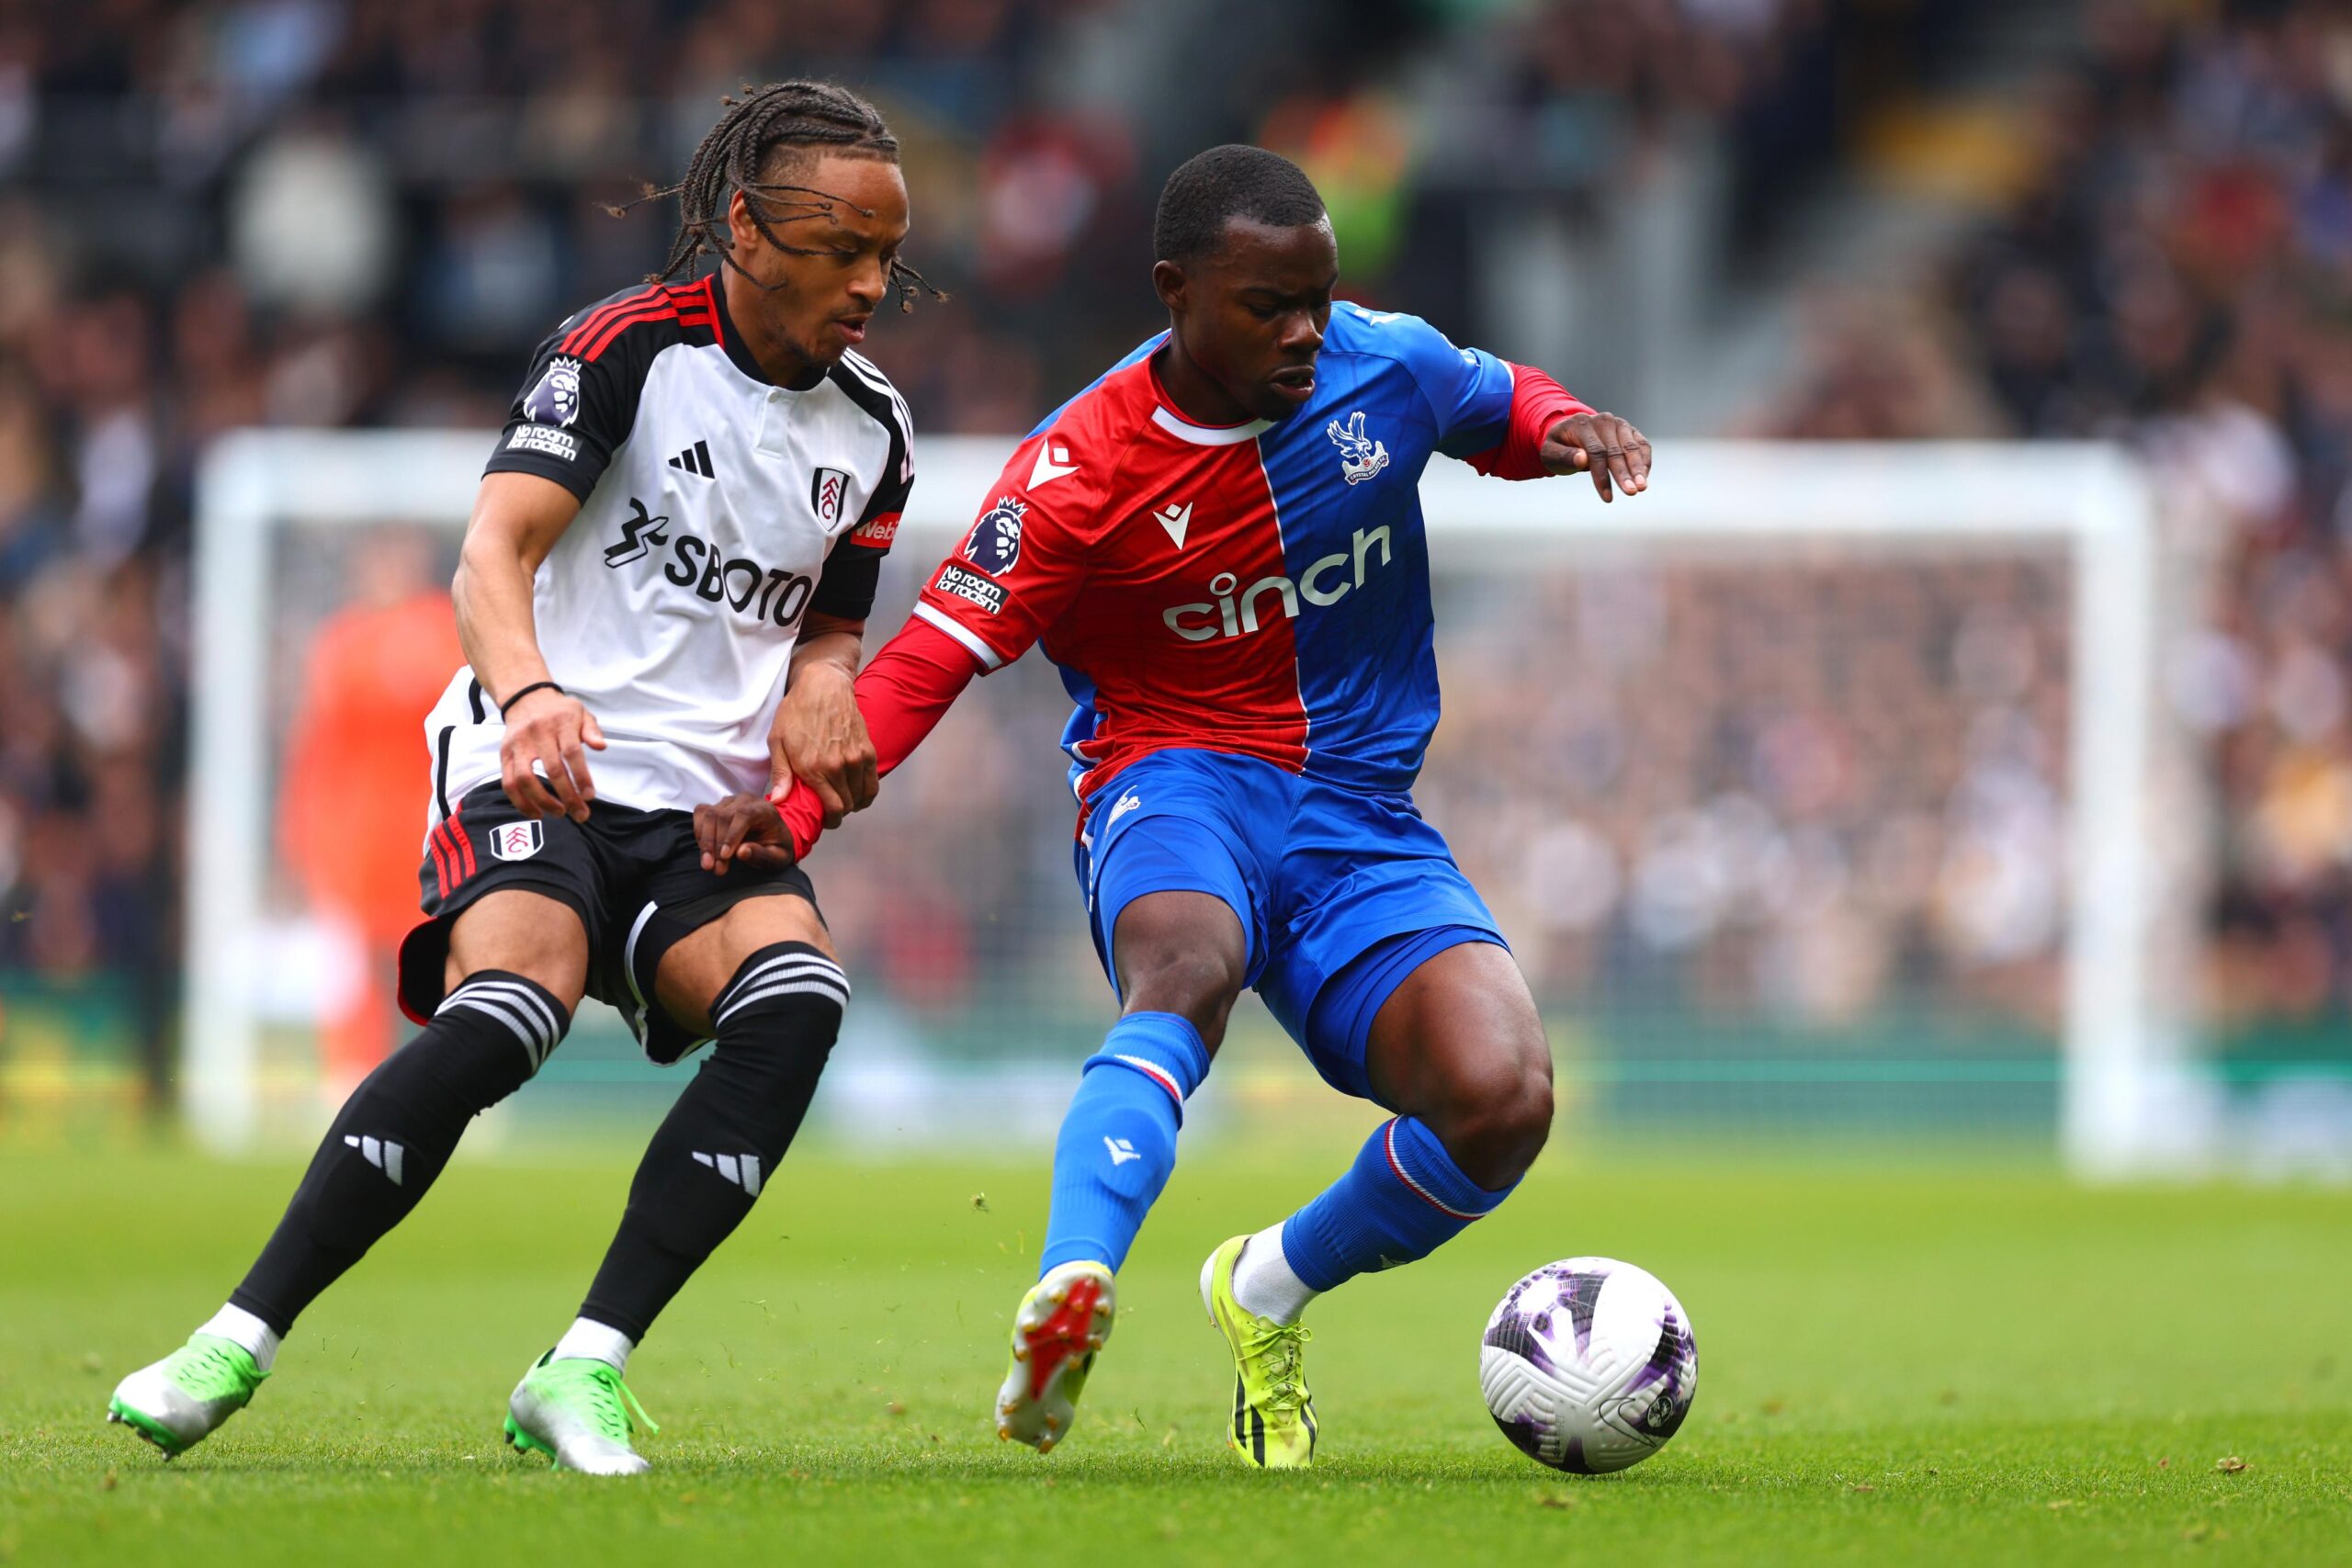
1053, 463
1176, 520
1121, 1150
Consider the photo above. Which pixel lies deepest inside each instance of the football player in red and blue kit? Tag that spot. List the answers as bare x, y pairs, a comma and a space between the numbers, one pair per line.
1220, 542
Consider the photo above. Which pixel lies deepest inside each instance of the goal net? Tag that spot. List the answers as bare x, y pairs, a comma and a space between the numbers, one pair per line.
1813, 789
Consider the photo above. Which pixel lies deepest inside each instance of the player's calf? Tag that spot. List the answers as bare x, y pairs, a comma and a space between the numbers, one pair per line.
776, 1023
386, 1147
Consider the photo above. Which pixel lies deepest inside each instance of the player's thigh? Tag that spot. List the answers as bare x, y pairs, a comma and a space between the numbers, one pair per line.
532, 935
698, 966
501, 891
1463, 1026
1459, 1044
1183, 953
1175, 858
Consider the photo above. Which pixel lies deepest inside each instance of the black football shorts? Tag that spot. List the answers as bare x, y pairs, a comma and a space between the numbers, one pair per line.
634, 879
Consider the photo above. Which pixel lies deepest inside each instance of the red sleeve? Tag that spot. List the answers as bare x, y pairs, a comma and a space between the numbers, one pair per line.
903, 693
1025, 559
1537, 403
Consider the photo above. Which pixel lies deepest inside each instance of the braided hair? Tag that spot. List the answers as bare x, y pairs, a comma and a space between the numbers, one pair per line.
817, 116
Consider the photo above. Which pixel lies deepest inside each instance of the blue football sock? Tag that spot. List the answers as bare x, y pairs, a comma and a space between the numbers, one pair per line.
1118, 1139
1402, 1200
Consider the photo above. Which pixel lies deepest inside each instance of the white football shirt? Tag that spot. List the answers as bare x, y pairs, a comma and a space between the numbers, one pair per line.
716, 510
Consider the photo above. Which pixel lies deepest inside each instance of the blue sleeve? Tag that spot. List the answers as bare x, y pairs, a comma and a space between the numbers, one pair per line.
1468, 391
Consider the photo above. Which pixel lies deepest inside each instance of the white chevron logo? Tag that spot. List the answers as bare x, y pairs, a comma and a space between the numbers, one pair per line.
382, 1153
1176, 520
1121, 1150
1053, 463
743, 1170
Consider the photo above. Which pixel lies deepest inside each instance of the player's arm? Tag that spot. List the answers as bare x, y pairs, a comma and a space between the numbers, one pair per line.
1513, 421
1016, 572
901, 697
543, 761
818, 736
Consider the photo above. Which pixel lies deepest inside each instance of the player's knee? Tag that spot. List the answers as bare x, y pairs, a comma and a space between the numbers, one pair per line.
1493, 1113
776, 1019
500, 1027
524, 933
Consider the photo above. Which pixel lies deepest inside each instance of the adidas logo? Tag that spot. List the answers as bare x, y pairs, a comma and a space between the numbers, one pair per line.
743, 1170
380, 1153
696, 460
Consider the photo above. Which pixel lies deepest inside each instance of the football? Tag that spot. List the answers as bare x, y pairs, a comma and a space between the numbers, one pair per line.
1588, 1365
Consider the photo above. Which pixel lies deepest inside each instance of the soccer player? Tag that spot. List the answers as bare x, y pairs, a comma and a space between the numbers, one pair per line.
1221, 545
668, 568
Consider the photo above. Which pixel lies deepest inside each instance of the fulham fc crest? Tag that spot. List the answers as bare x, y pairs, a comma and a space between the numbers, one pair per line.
828, 490
517, 841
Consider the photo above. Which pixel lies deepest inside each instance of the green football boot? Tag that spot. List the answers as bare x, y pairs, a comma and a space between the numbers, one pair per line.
181, 1400
1273, 1416
579, 1414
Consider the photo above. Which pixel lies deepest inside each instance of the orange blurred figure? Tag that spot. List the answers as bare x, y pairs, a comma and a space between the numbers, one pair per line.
357, 775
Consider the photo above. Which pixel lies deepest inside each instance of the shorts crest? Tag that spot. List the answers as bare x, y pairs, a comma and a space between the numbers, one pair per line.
517, 841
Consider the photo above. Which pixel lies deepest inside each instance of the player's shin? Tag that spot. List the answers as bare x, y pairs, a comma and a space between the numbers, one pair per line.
1117, 1145
776, 1022
396, 1132
1402, 1200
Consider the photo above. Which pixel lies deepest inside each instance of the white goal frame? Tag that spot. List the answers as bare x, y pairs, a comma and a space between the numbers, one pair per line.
2122, 1067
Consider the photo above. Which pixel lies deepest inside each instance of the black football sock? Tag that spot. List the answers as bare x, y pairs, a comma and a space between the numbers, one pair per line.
397, 1131
775, 1022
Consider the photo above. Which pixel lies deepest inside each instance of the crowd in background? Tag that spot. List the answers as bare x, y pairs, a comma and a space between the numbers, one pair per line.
1815, 789
2177, 273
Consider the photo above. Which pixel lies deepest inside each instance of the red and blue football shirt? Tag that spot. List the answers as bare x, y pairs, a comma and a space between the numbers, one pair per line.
1261, 589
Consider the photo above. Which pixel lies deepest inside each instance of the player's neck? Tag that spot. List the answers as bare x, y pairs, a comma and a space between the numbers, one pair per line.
745, 313
1197, 395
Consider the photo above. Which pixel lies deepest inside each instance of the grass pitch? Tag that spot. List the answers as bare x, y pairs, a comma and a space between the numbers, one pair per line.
1897, 1363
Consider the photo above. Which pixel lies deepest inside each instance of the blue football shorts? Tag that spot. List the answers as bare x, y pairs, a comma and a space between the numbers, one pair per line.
1341, 894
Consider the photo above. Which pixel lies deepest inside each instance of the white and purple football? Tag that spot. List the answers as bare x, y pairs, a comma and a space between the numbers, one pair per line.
1588, 1365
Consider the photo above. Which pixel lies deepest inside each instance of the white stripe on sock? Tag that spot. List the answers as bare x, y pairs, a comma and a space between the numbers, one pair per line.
533, 1003
789, 966
534, 1046
812, 986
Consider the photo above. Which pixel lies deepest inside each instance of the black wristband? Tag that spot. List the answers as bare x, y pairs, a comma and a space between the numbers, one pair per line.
534, 686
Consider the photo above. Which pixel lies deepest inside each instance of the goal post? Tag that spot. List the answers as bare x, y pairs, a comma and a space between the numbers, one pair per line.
2127, 1077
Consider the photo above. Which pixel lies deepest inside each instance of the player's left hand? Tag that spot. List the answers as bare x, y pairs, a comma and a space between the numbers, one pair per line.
819, 737
742, 829
1602, 445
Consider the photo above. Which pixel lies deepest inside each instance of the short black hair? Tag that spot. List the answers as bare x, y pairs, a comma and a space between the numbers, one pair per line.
1213, 188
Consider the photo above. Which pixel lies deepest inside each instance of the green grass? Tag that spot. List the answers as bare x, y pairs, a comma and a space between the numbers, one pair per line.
1947, 1363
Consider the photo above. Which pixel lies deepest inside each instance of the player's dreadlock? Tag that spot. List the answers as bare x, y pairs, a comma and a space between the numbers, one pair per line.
814, 115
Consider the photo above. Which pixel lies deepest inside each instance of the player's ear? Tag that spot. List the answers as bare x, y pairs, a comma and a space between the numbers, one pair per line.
1168, 281
739, 227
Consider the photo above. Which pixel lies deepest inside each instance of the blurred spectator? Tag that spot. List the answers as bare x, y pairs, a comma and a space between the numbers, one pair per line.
2175, 277
346, 211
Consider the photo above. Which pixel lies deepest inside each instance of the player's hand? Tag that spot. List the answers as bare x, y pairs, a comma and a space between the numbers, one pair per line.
1602, 444
742, 829
555, 731
819, 738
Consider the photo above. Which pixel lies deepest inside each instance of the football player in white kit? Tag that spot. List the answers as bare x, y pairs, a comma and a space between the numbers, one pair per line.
661, 596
